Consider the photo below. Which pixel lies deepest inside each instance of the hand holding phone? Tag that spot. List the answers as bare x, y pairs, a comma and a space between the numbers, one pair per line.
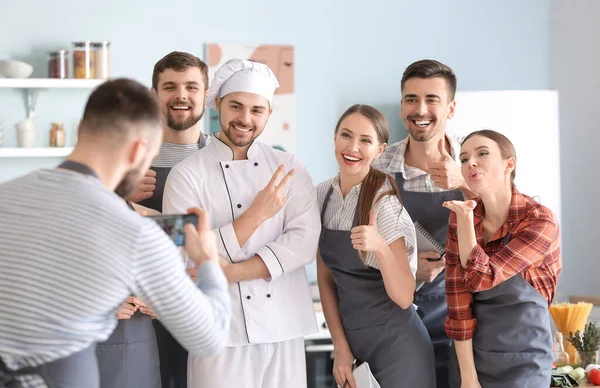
201, 242
173, 225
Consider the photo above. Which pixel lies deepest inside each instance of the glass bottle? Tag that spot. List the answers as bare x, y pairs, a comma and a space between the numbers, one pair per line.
560, 356
57, 135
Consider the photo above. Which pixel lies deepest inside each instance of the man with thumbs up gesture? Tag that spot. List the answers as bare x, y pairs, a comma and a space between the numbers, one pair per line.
445, 173
426, 169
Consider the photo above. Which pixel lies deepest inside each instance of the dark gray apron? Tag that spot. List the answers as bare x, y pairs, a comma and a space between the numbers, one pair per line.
427, 210
512, 343
392, 340
75, 371
173, 356
129, 357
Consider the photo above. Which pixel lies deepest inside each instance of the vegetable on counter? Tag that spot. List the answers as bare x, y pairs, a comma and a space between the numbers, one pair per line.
594, 376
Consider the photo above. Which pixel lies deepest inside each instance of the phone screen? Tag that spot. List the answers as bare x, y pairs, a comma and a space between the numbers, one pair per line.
173, 225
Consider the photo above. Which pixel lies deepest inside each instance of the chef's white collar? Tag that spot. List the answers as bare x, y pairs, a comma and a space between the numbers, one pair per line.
226, 153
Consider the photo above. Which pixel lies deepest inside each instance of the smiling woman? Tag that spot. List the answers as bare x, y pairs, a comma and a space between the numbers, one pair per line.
502, 268
367, 261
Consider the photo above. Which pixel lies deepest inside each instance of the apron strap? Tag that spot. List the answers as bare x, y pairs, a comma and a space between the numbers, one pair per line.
78, 167
325, 202
8, 377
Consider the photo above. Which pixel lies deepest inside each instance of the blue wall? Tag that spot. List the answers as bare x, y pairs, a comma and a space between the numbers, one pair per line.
346, 51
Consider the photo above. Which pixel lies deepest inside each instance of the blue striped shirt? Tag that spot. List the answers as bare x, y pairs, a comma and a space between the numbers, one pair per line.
71, 252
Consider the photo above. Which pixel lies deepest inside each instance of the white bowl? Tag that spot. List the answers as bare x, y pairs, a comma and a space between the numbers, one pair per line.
15, 69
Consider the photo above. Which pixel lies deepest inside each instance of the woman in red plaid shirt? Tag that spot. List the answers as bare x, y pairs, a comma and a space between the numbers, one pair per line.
502, 268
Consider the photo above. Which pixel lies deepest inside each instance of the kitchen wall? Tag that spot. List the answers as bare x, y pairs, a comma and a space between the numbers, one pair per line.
574, 57
347, 51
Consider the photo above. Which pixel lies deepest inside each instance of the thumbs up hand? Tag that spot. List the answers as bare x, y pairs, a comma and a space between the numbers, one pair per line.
446, 174
366, 238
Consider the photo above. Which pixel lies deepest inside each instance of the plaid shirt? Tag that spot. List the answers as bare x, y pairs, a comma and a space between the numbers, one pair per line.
533, 252
415, 179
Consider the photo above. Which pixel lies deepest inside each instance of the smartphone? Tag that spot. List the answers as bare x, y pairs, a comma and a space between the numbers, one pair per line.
173, 224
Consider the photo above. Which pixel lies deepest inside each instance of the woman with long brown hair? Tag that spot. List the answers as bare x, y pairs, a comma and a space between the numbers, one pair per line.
502, 268
367, 262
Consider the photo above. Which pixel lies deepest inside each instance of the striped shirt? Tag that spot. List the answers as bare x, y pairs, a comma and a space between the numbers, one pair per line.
72, 252
170, 154
392, 221
533, 252
393, 161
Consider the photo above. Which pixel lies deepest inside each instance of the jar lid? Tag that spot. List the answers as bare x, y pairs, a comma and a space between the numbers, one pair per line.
100, 44
82, 43
57, 53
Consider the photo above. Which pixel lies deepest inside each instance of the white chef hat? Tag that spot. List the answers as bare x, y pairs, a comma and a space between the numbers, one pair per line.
240, 75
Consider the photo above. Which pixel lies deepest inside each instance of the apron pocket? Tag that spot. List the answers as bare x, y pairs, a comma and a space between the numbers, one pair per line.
506, 368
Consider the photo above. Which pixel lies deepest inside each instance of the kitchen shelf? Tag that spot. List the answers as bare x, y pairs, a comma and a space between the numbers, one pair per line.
35, 152
33, 86
49, 83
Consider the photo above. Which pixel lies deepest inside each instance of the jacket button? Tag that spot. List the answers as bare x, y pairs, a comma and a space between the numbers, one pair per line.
239, 205
226, 166
268, 295
248, 297
256, 163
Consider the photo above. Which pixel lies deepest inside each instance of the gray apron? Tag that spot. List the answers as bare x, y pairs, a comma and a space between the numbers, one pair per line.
75, 371
512, 343
392, 340
427, 210
129, 357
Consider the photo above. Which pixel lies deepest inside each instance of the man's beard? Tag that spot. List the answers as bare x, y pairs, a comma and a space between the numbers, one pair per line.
419, 135
182, 125
238, 143
128, 183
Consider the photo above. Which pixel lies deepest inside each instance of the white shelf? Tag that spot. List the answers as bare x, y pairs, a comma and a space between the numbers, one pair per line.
49, 83
35, 152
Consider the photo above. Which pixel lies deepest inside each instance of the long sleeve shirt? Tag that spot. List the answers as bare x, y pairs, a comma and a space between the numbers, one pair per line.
532, 251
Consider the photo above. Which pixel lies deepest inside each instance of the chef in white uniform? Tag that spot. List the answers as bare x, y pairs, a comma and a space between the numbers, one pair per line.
263, 208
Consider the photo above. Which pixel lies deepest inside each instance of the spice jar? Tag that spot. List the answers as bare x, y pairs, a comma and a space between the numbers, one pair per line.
58, 64
83, 64
57, 135
101, 59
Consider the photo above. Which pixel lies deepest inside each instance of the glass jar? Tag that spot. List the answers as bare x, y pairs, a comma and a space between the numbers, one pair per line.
587, 357
83, 63
57, 135
101, 59
58, 64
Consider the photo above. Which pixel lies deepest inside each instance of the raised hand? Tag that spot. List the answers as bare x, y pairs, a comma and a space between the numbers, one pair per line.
446, 174
145, 188
366, 238
270, 200
461, 208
